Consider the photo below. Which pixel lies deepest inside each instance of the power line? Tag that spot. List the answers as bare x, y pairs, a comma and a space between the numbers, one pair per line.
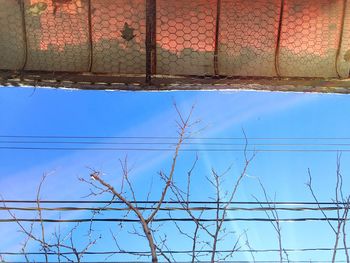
171, 137
203, 208
289, 250
168, 150
173, 202
182, 219
179, 206
239, 261
173, 143
152, 143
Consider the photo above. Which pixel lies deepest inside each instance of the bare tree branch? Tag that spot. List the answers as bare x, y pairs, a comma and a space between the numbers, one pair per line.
182, 132
44, 246
275, 223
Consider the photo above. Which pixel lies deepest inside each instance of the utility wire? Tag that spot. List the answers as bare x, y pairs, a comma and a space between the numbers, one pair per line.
171, 137
171, 202
168, 150
203, 208
182, 219
239, 261
291, 250
152, 143
173, 143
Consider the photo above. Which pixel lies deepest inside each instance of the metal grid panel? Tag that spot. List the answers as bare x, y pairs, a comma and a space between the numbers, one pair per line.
118, 33
344, 52
248, 37
310, 38
186, 37
222, 38
58, 35
12, 46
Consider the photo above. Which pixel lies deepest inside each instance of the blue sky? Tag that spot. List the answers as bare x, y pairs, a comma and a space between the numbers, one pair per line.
25, 111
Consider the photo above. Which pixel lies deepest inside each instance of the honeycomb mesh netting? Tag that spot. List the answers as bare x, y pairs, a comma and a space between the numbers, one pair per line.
186, 37
57, 38
310, 37
266, 38
118, 35
12, 44
248, 37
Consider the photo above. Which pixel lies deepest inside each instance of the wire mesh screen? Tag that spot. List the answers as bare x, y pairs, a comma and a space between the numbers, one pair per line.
248, 37
118, 36
160, 38
186, 37
12, 44
310, 38
57, 37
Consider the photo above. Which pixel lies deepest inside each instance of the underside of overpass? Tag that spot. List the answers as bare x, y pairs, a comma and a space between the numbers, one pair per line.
278, 45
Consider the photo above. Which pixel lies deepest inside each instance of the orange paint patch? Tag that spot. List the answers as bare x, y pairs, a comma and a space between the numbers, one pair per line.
67, 27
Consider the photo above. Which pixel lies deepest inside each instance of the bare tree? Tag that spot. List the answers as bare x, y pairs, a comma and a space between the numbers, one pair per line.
184, 124
50, 242
273, 216
183, 197
205, 237
342, 203
216, 232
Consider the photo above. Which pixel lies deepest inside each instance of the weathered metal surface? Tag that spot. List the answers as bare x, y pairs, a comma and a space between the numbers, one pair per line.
12, 36
60, 41
119, 35
92, 81
240, 43
248, 37
310, 38
186, 37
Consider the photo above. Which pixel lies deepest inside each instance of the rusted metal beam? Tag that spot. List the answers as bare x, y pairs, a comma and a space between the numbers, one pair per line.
278, 42
342, 24
90, 81
151, 34
24, 27
91, 43
217, 34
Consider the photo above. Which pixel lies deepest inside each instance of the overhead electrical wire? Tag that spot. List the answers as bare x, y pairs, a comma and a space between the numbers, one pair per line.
171, 137
174, 206
227, 261
179, 208
173, 219
170, 150
172, 202
192, 144
318, 249
172, 143
271, 205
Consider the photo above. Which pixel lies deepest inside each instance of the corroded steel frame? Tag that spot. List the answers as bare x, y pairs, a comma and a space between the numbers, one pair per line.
90, 81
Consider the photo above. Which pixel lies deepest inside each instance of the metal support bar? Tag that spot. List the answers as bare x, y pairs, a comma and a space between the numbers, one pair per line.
151, 54
104, 81
278, 43
91, 47
342, 24
217, 33
25, 40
